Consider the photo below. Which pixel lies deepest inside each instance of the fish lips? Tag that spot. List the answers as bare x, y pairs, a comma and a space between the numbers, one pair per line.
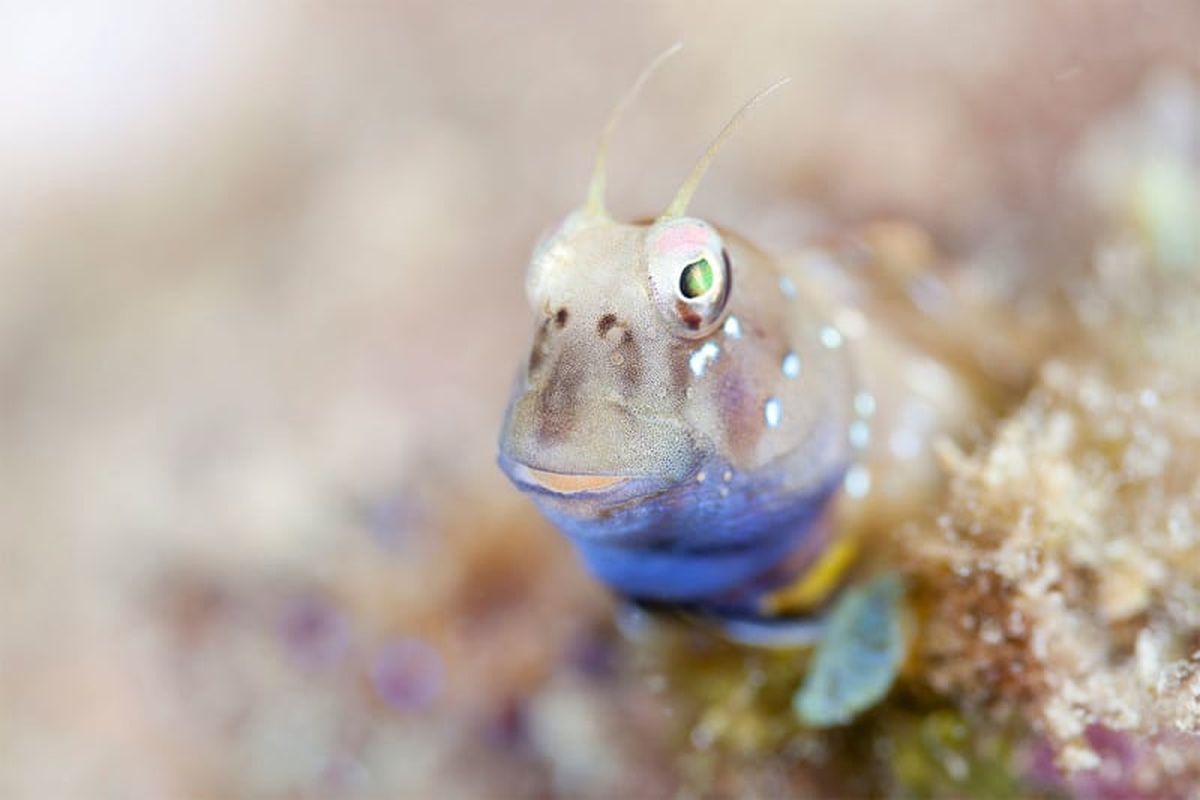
584, 489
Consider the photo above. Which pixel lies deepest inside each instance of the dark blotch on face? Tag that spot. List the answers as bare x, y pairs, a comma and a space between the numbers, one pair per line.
537, 351
556, 404
630, 368
605, 324
690, 317
560, 318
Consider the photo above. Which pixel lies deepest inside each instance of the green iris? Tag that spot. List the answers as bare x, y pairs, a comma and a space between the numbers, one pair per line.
696, 279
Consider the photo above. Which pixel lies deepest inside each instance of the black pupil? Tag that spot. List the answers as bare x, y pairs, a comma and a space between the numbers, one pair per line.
696, 279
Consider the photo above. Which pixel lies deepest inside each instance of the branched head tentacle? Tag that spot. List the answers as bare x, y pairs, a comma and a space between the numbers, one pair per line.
595, 196
684, 196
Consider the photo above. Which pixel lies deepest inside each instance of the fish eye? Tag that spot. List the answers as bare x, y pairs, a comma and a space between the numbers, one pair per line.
696, 280
689, 275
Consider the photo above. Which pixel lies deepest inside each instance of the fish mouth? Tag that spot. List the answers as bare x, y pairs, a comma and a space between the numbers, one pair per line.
564, 483
600, 505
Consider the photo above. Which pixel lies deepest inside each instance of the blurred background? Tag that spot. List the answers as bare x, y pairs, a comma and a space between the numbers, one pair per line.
261, 300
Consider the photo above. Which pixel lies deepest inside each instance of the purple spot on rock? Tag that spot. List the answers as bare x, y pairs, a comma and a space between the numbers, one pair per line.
1041, 769
408, 674
393, 520
315, 633
1116, 776
1130, 767
592, 654
1111, 745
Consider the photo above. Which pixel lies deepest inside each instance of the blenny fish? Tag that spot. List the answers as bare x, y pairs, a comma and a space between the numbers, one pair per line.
692, 406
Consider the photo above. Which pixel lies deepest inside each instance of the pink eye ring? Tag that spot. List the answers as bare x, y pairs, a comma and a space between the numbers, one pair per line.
689, 274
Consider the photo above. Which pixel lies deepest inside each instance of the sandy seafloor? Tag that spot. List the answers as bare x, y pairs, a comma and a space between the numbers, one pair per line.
261, 301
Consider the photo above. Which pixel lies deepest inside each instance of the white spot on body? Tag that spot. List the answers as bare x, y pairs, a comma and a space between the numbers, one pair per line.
791, 366
857, 481
773, 412
728, 476
733, 328
864, 404
787, 287
831, 337
702, 357
860, 434
701, 476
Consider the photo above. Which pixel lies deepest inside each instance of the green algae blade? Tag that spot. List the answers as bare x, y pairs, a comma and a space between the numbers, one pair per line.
857, 659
